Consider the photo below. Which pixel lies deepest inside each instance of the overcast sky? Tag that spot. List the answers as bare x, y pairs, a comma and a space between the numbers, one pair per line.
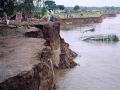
99, 3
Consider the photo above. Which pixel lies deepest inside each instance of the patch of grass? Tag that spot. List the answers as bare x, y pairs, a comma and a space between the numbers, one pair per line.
79, 15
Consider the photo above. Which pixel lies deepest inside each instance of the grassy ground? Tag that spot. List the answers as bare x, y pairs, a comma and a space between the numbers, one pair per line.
70, 15
79, 15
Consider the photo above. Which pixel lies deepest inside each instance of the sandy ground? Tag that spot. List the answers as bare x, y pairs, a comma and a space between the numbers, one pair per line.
18, 54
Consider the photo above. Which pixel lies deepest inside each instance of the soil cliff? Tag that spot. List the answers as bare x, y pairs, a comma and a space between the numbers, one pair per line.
28, 62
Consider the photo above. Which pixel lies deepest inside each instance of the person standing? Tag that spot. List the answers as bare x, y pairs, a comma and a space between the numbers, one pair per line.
51, 16
18, 17
5, 19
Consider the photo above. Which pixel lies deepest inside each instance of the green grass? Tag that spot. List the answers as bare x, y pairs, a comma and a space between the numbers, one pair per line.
78, 15
71, 15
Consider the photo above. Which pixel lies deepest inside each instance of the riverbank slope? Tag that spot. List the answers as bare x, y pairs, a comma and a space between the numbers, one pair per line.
28, 57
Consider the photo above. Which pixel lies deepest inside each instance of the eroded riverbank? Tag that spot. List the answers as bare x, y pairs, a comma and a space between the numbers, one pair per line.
28, 58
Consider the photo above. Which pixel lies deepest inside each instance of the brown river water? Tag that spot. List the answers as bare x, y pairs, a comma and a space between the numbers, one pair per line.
99, 62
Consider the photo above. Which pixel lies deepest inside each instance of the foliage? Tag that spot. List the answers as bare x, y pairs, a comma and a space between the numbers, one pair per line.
11, 6
40, 12
44, 11
115, 38
50, 4
28, 7
19, 7
61, 7
7, 6
76, 8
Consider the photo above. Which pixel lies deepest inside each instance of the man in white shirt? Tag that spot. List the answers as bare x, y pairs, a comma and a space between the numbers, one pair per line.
51, 16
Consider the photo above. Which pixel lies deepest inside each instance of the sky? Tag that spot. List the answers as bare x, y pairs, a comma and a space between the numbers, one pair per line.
98, 3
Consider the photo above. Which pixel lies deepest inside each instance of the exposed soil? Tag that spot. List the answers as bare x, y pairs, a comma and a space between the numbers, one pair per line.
28, 57
18, 54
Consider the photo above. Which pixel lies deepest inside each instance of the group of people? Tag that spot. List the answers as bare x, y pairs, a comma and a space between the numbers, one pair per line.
5, 19
21, 17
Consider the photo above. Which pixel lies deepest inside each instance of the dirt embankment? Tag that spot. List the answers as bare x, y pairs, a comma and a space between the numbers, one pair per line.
27, 61
70, 23
81, 21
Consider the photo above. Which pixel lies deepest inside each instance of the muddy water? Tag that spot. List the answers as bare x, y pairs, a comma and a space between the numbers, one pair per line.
99, 62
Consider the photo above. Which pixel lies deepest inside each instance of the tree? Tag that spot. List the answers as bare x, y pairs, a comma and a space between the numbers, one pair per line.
28, 7
61, 7
76, 8
7, 6
43, 11
50, 4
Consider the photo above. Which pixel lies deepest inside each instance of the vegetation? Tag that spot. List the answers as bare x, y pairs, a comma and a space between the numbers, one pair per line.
28, 7
79, 15
7, 6
50, 4
40, 8
103, 38
11, 6
40, 12
76, 8
60, 7
96, 8
115, 38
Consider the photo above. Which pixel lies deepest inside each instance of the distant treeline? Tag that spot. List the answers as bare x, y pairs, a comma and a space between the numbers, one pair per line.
96, 8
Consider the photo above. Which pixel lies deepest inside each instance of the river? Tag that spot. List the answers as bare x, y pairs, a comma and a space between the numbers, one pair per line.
99, 62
